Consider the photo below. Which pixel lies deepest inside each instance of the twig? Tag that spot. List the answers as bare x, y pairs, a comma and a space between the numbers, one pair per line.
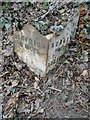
50, 107
40, 90
62, 76
50, 9
52, 88
58, 69
4, 74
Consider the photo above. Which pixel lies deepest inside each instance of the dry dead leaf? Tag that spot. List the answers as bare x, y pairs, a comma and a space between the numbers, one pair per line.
15, 83
37, 103
35, 85
36, 82
36, 78
11, 102
41, 110
84, 73
32, 106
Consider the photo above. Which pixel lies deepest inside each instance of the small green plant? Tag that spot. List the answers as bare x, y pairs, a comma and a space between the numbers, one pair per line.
44, 4
5, 7
58, 61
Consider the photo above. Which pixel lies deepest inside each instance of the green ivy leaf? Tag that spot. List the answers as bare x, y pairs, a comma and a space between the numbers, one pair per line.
66, 62
7, 26
44, 4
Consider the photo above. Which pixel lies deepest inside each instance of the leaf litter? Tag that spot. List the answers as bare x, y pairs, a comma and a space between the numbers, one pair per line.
63, 92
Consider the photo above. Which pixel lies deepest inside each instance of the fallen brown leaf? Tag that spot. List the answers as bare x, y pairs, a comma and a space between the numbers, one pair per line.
84, 73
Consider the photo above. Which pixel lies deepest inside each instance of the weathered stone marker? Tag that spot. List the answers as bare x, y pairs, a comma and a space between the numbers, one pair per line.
32, 48
38, 51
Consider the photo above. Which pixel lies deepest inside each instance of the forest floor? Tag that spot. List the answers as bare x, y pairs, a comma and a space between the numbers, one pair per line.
62, 93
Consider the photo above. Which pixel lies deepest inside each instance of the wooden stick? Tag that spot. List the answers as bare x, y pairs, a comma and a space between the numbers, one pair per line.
52, 88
